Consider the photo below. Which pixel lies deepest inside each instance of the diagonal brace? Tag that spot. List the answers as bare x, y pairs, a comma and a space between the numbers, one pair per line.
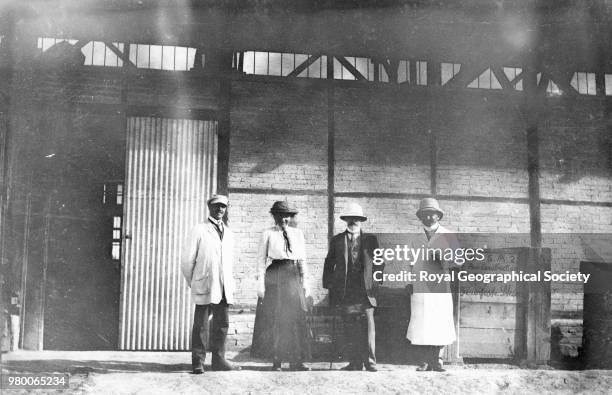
347, 65
303, 66
119, 54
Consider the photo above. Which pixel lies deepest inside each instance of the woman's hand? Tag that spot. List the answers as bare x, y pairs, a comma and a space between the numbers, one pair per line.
261, 289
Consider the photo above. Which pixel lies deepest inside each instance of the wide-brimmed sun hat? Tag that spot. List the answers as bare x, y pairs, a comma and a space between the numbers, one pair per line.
353, 210
429, 204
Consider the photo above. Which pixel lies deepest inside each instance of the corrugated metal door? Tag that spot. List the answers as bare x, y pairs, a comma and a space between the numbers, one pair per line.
171, 172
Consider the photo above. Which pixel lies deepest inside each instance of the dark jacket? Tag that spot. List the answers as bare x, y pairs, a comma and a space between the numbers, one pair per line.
335, 268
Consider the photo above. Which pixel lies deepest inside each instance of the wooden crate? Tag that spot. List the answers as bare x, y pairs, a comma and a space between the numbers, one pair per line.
506, 321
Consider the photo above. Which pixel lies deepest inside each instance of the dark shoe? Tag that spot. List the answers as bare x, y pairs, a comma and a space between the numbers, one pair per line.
424, 367
197, 365
352, 367
437, 368
276, 366
371, 368
299, 367
222, 365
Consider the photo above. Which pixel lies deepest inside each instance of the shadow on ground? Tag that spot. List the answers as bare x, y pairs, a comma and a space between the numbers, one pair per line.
77, 366
90, 366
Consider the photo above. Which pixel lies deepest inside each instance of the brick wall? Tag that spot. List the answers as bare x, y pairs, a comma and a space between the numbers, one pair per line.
576, 158
153, 88
576, 152
104, 86
482, 148
80, 87
486, 217
278, 137
580, 225
381, 141
385, 215
566, 338
240, 331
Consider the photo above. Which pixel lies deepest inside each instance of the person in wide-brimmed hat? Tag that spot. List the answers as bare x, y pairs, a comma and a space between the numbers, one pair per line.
281, 330
349, 274
430, 206
432, 324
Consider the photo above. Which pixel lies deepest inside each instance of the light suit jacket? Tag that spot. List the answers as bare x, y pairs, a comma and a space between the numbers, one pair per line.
206, 262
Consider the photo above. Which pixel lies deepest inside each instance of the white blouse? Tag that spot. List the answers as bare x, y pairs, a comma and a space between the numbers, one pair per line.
272, 246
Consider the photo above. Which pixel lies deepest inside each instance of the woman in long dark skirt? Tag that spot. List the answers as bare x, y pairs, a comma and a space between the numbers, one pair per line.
281, 330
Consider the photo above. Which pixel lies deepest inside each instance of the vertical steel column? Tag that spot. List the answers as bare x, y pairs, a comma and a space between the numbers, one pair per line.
331, 155
15, 225
433, 158
5, 141
532, 109
225, 108
533, 104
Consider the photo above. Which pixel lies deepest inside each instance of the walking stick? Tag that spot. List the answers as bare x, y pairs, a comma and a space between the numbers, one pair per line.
334, 351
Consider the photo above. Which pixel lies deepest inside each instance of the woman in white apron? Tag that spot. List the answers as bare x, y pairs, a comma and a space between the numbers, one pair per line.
431, 305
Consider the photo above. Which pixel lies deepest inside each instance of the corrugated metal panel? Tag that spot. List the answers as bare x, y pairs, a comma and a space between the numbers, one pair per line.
171, 172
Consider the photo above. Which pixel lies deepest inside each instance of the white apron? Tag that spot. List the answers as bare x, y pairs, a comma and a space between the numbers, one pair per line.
431, 319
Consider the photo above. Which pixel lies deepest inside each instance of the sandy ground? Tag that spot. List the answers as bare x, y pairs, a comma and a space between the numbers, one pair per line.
169, 373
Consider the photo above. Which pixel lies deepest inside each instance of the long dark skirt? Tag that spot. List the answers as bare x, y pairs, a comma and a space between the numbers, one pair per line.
281, 331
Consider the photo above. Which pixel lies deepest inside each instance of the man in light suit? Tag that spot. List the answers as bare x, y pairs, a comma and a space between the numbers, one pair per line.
348, 275
206, 263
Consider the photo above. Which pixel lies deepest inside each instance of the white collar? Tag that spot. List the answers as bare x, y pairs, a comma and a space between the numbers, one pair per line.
214, 221
433, 228
356, 233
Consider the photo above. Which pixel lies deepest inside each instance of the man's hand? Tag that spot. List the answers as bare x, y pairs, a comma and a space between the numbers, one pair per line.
308, 299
